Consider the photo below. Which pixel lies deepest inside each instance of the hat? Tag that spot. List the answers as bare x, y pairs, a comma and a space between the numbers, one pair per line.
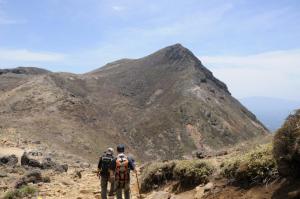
110, 150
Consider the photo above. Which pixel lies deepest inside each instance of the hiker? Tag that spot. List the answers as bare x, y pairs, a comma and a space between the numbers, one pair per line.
120, 171
103, 172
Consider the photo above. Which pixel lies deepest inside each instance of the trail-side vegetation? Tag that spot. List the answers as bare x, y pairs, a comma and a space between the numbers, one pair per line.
25, 191
184, 174
255, 167
287, 147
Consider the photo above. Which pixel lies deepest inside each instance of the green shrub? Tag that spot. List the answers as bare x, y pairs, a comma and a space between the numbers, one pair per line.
255, 167
187, 174
192, 172
156, 174
20, 193
287, 147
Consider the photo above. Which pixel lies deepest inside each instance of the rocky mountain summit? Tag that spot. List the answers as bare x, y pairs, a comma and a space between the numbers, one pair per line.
162, 106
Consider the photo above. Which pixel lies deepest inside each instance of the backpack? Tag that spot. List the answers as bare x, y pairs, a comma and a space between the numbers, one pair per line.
122, 169
106, 161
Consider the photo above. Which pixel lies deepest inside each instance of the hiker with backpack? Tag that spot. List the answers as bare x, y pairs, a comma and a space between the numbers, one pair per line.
120, 171
104, 166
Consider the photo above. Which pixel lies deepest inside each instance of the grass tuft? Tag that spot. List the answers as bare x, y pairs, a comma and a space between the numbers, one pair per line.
20, 193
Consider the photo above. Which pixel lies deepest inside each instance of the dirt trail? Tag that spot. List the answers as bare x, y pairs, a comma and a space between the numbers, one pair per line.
67, 186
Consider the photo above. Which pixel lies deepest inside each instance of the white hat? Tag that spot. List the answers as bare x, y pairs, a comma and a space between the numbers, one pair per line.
110, 150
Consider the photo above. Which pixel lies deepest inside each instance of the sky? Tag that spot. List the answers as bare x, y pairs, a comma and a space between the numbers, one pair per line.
251, 45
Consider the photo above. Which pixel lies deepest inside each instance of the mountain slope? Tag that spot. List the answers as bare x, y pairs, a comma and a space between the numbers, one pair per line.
162, 106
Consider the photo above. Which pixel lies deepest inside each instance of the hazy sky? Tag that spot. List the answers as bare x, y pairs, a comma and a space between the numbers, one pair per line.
251, 45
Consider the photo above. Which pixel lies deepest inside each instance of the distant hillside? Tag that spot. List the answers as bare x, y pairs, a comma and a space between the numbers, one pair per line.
162, 106
271, 111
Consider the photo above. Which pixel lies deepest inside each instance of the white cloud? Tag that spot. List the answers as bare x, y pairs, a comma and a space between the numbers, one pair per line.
16, 55
118, 8
274, 74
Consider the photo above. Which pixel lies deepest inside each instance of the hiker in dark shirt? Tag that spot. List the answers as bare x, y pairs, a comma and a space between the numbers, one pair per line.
103, 172
120, 171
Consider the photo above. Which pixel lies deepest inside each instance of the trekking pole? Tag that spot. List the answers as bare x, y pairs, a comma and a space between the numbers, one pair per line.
138, 183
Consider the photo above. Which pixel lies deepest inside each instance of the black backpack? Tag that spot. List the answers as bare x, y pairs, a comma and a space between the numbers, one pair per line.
106, 161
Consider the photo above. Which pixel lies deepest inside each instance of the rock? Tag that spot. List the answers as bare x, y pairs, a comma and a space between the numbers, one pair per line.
85, 165
3, 187
77, 174
46, 179
49, 164
3, 175
86, 191
67, 182
201, 154
34, 176
221, 153
35, 153
10, 160
61, 168
36, 142
34, 163
25, 160
160, 195
199, 192
209, 186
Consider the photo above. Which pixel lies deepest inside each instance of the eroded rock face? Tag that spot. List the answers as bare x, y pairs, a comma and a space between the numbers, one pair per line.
287, 147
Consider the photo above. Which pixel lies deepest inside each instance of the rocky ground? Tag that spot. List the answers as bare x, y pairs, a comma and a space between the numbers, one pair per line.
80, 181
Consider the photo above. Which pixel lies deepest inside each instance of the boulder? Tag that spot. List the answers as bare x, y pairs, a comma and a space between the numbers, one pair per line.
34, 176
200, 154
25, 160
61, 168
209, 186
47, 163
9, 160
85, 165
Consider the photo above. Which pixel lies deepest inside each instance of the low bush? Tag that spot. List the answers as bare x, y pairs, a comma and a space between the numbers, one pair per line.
255, 167
287, 147
186, 174
190, 173
20, 193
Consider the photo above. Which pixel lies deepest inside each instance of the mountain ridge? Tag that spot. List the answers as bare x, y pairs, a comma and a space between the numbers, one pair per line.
162, 106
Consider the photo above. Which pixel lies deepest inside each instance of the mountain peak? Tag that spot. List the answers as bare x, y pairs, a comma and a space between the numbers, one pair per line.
173, 53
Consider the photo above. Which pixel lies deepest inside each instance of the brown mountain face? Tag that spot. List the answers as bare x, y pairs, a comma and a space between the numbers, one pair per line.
162, 106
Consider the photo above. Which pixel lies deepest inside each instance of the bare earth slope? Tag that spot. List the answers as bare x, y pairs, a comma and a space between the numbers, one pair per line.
162, 106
